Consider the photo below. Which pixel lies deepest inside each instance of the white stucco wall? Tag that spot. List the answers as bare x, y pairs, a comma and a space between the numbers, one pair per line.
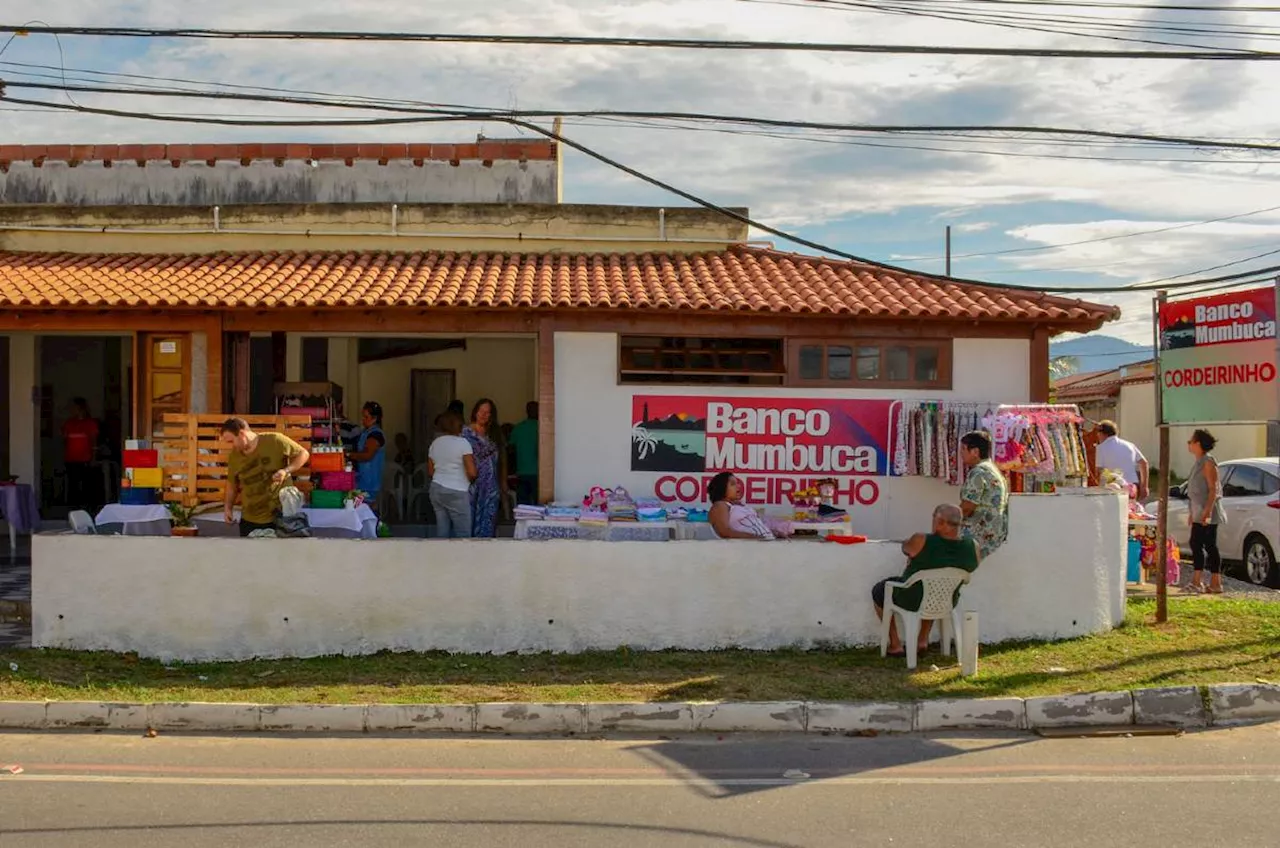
593, 420
502, 369
1060, 575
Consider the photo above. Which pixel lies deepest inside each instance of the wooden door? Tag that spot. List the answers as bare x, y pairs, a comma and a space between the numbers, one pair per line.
164, 381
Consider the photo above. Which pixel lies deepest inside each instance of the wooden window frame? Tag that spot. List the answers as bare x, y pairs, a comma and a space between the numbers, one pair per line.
944, 347
708, 376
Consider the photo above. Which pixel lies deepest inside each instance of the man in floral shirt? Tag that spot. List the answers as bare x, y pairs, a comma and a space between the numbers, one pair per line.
984, 497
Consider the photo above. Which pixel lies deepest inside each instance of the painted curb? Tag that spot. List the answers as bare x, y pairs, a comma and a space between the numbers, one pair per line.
972, 714
1182, 706
1084, 710
854, 718
1241, 703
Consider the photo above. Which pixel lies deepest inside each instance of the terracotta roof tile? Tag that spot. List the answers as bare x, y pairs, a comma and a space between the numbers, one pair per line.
738, 279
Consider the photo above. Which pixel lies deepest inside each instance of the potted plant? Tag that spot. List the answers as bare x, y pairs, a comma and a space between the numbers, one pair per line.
181, 518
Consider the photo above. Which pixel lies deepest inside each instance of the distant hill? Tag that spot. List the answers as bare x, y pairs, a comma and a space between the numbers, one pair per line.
1101, 353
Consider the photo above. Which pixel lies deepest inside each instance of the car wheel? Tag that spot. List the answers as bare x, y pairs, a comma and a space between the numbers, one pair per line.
1260, 562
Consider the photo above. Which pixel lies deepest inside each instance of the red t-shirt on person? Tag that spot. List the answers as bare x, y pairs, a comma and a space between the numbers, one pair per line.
79, 437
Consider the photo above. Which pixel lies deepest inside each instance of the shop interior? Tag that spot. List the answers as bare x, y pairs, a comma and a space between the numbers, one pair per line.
413, 378
96, 368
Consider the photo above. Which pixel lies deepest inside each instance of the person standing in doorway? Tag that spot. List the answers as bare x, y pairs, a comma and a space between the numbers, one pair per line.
1205, 513
79, 445
984, 497
524, 438
258, 467
452, 467
368, 452
491, 483
1124, 458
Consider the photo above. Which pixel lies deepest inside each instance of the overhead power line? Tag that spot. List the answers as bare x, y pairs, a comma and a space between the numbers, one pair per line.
494, 115
660, 43
707, 204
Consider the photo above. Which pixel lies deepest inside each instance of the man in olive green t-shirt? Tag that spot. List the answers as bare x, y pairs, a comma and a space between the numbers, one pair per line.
259, 465
942, 548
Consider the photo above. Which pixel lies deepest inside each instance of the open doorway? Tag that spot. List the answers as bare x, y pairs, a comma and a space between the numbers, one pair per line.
415, 379
84, 413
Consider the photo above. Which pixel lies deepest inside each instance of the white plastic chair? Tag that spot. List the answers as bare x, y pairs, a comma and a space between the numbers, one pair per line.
940, 585
419, 492
82, 523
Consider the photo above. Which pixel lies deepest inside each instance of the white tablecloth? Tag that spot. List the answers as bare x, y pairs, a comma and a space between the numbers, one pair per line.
617, 531
136, 519
348, 523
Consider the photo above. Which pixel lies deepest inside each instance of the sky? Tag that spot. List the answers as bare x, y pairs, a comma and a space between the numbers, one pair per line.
877, 198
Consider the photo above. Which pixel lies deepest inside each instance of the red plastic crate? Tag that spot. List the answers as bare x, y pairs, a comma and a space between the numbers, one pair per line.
142, 458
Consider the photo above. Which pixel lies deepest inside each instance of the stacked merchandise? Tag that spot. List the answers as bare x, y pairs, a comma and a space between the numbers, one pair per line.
650, 510
563, 512
621, 507
678, 514
335, 477
143, 478
525, 512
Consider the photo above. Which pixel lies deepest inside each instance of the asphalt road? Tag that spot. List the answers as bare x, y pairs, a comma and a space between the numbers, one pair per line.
944, 791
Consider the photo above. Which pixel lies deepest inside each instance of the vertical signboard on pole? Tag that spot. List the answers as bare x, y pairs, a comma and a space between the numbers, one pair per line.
1218, 358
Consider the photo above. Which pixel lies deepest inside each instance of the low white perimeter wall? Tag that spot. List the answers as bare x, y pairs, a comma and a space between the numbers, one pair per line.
1060, 575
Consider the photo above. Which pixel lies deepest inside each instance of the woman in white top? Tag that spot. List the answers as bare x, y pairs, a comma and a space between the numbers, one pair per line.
452, 467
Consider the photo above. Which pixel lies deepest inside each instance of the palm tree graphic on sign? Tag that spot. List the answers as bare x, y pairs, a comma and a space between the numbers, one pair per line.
645, 441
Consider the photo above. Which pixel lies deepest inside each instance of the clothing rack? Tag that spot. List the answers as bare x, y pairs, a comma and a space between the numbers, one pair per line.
1058, 443
952, 470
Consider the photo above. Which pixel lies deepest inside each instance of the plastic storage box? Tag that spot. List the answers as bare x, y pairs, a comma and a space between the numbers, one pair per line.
136, 496
320, 499
147, 478
322, 462
142, 458
338, 481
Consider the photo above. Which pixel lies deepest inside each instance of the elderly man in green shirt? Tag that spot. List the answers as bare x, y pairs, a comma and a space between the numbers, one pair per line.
524, 439
942, 547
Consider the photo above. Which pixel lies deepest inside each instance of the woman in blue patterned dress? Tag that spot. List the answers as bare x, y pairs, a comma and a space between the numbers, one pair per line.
490, 485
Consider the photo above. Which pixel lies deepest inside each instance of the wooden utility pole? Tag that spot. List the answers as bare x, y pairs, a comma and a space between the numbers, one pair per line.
1162, 519
948, 250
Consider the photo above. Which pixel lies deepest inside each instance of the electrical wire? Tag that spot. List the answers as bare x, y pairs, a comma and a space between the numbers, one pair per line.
661, 43
515, 119
1098, 240
496, 115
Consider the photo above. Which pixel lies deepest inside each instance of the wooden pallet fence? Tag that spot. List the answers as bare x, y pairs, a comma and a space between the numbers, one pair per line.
194, 457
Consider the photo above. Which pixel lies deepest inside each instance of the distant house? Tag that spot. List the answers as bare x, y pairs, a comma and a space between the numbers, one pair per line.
1126, 395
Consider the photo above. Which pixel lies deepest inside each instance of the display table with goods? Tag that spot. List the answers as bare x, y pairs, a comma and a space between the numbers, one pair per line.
612, 515
1060, 575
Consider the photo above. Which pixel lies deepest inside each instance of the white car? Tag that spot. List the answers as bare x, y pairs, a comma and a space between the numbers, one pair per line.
1251, 535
